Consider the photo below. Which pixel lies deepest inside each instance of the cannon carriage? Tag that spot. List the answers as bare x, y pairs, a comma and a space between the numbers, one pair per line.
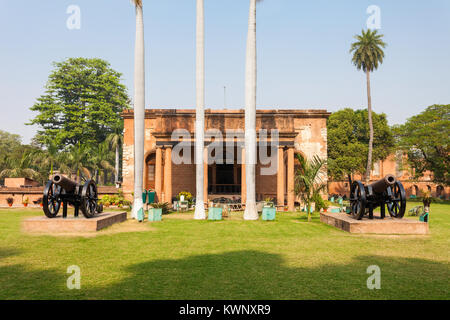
61, 191
384, 193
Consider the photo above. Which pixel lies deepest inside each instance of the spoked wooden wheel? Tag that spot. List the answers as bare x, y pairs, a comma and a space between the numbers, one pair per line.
89, 199
51, 200
397, 203
358, 200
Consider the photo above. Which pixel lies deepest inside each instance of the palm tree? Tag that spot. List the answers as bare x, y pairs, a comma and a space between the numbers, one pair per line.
76, 159
309, 180
99, 159
251, 212
139, 109
368, 55
19, 168
48, 157
200, 113
115, 140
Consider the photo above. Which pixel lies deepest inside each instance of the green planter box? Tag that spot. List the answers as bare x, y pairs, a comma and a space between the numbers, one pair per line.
154, 214
268, 214
215, 214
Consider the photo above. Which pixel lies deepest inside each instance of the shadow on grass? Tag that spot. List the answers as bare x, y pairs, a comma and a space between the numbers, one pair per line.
259, 275
236, 275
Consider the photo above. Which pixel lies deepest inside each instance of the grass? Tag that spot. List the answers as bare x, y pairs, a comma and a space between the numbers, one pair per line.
180, 258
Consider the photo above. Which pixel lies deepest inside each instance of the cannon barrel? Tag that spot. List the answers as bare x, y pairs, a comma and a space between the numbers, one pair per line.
381, 185
65, 183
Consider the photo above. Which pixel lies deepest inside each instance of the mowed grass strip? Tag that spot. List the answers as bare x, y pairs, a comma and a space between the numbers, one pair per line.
180, 258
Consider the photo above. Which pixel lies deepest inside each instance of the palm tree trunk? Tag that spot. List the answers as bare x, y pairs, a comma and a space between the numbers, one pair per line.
369, 106
250, 116
139, 111
200, 114
116, 169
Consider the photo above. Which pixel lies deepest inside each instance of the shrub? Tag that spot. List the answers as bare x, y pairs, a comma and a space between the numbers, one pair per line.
161, 205
187, 196
105, 200
26, 201
10, 200
320, 203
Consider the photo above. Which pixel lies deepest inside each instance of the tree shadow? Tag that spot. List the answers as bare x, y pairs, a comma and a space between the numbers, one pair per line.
260, 275
8, 252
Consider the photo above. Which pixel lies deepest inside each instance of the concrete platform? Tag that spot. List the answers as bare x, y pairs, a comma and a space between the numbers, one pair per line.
388, 225
71, 224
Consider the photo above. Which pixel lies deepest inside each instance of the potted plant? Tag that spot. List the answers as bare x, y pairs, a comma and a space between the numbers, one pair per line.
10, 201
157, 210
268, 202
25, 202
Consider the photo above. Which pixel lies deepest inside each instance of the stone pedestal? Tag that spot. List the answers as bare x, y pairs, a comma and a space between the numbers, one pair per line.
388, 225
71, 224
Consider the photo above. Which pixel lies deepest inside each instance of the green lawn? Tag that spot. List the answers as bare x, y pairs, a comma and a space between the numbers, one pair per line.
185, 259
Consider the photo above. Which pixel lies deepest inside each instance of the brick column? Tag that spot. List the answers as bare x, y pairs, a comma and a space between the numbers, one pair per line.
290, 179
280, 177
168, 175
243, 184
158, 174
205, 175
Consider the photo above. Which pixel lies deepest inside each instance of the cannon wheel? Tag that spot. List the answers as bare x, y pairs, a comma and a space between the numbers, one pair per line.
358, 200
89, 199
51, 200
397, 205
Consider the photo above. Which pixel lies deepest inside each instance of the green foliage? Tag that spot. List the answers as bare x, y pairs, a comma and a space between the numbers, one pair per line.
187, 196
368, 50
425, 139
10, 200
26, 201
82, 103
348, 141
309, 180
162, 205
319, 202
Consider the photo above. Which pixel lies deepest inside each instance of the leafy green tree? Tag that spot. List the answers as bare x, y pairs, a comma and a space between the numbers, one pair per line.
367, 56
425, 139
309, 180
348, 137
82, 103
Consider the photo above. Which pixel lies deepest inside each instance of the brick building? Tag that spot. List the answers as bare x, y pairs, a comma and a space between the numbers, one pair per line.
299, 131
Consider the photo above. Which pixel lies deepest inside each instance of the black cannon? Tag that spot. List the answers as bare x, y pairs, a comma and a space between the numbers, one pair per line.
60, 189
387, 192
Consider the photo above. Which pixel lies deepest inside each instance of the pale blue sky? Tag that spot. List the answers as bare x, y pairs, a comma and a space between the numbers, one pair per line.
303, 58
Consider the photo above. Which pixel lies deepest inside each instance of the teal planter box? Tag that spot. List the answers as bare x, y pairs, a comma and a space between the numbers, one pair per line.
215, 214
140, 215
335, 210
268, 214
154, 214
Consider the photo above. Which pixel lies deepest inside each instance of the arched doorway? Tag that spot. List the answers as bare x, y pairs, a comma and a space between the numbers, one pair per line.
439, 191
415, 190
150, 163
